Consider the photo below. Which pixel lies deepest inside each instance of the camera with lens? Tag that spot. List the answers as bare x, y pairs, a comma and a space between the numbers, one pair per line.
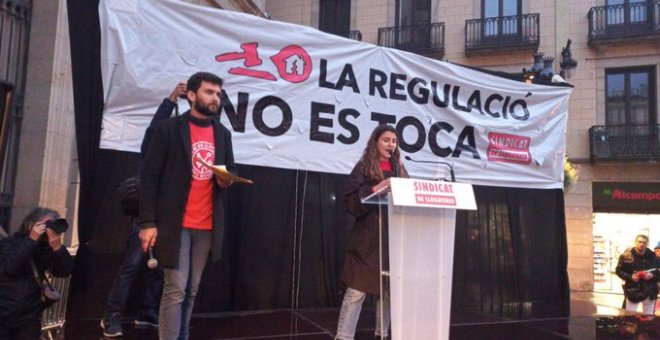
59, 225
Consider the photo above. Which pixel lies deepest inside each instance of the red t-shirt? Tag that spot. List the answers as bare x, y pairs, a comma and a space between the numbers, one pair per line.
199, 208
386, 165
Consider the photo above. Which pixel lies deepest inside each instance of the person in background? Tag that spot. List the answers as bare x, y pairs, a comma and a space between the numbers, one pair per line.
636, 267
361, 273
181, 210
656, 272
135, 260
24, 259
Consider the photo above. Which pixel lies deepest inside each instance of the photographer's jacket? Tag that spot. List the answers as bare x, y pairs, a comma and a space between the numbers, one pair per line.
631, 262
20, 295
166, 179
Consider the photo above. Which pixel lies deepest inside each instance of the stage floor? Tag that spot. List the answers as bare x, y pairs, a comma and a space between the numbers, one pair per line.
593, 316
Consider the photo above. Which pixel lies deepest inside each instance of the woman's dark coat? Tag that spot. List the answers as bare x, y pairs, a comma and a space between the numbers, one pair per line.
361, 265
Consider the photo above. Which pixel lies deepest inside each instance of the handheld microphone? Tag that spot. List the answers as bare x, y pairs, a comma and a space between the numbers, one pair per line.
152, 262
395, 165
449, 165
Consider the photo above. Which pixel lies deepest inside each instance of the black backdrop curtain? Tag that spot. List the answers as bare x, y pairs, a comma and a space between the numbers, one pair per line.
284, 243
510, 254
85, 40
286, 234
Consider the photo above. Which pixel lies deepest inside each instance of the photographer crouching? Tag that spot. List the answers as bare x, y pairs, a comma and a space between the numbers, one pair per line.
24, 258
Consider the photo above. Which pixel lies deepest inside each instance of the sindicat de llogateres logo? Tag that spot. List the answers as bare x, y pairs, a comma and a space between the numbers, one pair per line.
205, 151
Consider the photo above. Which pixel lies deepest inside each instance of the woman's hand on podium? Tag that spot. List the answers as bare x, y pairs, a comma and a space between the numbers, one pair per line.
380, 186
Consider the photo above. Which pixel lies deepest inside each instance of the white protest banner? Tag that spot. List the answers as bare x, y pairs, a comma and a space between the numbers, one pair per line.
298, 98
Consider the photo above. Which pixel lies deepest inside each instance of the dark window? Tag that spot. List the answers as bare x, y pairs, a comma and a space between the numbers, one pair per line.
500, 9
630, 98
630, 111
14, 32
413, 17
335, 17
413, 12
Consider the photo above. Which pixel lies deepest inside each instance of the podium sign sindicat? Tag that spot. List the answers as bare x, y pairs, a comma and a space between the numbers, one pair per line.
422, 224
432, 194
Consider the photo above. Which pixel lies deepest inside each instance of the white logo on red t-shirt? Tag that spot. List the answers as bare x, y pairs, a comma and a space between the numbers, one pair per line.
205, 151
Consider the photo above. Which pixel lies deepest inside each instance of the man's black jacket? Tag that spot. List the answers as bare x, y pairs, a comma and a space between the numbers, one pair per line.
165, 184
631, 262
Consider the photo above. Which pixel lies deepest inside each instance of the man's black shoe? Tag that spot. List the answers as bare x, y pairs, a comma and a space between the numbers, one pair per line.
111, 325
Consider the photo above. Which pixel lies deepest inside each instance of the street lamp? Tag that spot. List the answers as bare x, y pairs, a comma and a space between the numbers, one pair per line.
542, 67
567, 64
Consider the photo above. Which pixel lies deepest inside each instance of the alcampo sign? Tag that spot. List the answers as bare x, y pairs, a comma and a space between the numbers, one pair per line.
626, 197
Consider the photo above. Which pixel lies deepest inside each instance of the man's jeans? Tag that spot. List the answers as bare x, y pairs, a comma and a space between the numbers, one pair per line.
135, 260
350, 313
182, 284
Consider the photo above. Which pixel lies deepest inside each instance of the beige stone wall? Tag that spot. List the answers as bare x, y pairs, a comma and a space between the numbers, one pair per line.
454, 14
578, 208
47, 166
366, 15
370, 15
579, 232
301, 12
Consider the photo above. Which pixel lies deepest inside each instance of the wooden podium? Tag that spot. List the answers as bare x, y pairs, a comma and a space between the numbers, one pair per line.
422, 224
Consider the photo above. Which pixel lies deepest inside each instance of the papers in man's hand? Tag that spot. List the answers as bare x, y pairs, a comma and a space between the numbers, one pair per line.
221, 172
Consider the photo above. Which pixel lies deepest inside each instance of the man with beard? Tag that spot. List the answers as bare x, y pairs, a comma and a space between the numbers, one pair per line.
181, 212
636, 267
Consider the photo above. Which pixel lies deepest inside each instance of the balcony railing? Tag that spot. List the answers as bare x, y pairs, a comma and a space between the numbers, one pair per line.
355, 35
639, 20
625, 142
520, 32
425, 39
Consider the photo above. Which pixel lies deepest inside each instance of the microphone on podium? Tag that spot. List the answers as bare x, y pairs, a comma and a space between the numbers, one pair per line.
395, 164
152, 262
449, 165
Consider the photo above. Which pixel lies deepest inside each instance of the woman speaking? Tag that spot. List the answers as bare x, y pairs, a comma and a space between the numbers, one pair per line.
361, 272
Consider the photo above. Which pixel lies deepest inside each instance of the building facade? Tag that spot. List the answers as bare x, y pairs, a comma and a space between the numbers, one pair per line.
612, 136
